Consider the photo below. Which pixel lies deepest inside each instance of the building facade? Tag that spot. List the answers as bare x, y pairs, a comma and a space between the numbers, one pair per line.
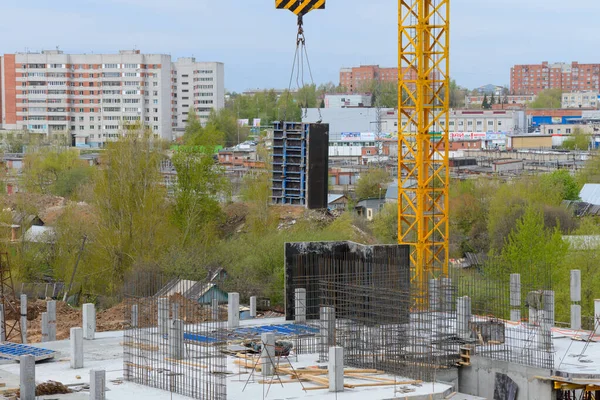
92, 96
356, 79
581, 100
574, 77
510, 100
347, 100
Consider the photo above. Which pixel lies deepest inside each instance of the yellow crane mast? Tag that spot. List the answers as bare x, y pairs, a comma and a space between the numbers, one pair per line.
423, 162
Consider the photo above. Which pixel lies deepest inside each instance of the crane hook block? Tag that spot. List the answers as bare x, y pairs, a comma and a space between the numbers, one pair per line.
300, 7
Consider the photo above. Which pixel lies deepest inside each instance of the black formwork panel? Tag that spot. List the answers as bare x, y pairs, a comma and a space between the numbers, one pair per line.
318, 166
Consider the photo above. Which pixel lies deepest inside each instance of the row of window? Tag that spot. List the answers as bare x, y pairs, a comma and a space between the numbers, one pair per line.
91, 66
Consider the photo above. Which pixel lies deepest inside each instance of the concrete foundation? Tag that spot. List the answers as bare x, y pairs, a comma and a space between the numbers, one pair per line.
268, 353
24, 318
27, 377
233, 311
97, 384
163, 316
76, 346
253, 306
479, 379
336, 369
51, 310
45, 327
300, 305
89, 321
176, 346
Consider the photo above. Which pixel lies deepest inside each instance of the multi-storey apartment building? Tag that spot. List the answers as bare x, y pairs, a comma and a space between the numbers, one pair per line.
357, 79
92, 96
574, 77
581, 100
197, 85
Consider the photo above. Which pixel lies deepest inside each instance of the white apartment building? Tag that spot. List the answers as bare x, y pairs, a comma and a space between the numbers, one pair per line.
93, 96
199, 86
581, 100
347, 100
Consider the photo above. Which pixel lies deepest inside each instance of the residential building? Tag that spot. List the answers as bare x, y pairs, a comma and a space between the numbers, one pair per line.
354, 79
574, 77
199, 86
93, 96
347, 100
581, 100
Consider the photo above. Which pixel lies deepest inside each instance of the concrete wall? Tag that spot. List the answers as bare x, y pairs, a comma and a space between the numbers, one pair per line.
479, 379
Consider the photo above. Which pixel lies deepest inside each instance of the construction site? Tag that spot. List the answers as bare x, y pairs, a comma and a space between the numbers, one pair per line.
358, 322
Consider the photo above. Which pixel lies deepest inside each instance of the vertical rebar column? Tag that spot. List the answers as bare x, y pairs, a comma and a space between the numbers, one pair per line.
326, 332
24, 318
215, 309
134, 315
175, 311
300, 305
434, 295
176, 348
163, 316
2, 324
446, 294
575, 299
463, 316
515, 297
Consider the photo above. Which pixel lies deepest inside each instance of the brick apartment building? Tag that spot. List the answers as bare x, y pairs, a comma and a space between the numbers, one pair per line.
92, 96
574, 77
354, 79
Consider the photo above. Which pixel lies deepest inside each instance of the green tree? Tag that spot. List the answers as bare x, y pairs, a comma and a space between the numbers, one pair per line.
549, 98
485, 104
493, 99
372, 183
383, 93
579, 140
385, 224
562, 182
457, 95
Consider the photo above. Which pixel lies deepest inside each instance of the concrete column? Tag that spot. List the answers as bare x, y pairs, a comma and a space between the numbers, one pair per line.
134, 316
76, 348
45, 327
434, 295
463, 316
549, 307
326, 330
27, 377
24, 318
176, 348
515, 297
215, 309
2, 324
446, 294
300, 305
575, 285
175, 311
163, 316
253, 307
51, 310
596, 312
576, 316
268, 353
545, 336
97, 384
89, 321
336, 369
233, 311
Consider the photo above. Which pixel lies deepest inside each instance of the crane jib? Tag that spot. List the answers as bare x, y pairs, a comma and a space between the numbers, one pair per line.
300, 7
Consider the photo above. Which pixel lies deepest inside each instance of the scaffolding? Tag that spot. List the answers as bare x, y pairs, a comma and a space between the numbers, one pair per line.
173, 338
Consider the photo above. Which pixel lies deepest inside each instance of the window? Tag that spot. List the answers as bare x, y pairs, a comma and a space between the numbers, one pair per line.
131, 65
91, 119
110, 66
155, 101
155, 119
81, 127
81, 119
550, 130
154, 84
155, 127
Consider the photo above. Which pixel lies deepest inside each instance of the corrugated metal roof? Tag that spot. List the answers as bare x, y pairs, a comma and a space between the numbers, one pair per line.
189, 289
590, 193
333, 197
40, 234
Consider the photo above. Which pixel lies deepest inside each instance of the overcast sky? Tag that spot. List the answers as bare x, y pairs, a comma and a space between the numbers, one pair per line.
257, 42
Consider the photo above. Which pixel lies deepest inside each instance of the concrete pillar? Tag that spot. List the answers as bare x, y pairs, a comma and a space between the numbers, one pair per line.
233, 311
76, 345
134, 316
89, 321
463, 316
45, 327
163, 316
176, 348
51, 310
549, 307
545, 336
515, 297
97, 384
596, 312
434, 295
300, 305
336, 369
215, 309
268, 353
575, 285
24, 318
446, 294
575, 316
27, 377
175, 311
2, 324
253, 307
326, 331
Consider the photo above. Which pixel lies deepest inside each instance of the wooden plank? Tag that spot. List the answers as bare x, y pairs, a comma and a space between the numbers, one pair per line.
371, 378
316, 387
141, 346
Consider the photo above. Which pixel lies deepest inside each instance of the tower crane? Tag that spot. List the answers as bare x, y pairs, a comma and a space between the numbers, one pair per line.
423, 138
